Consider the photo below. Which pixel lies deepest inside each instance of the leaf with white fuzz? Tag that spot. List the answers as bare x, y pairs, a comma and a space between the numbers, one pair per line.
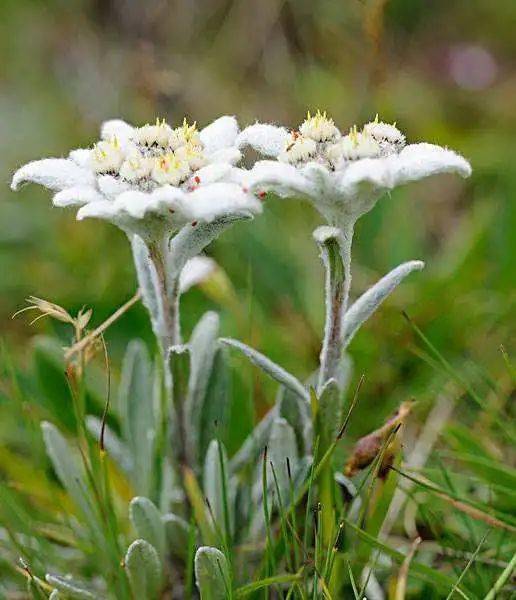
195, 271
146, 520
69, 470
76, 196
143, 568
369, 302
268, 366
215, 483
177, 533
219, 134
115, 447
190, 241
53, 173
147, 282
282, 445
138, 421
212, 574
266, 139
71, 588
202, 345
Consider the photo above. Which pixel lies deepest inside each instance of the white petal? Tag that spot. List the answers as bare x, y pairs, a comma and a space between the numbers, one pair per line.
417, 161
281, 178
219, 134
364, 177
54, 173
116, 128
213, 172
230, 155
111, 186
196, 270
103, 209
77, 196
211, 202
268, 140
320, 176
81, 157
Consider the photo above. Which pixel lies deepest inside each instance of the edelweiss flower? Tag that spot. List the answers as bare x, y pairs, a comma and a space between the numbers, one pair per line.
342, 175
149, 180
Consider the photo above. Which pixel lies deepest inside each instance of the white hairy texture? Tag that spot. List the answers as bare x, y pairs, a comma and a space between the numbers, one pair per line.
320, 128
175, 207
81, 157
268, 140
282, 178
190, 241
213, 483
299, 149
76, 196
211, 573
53, 173
196, 270
132, 178
117, 128
220, 134
115, 447
343, 181
331, 350
143, 567
147, 282
268, 366
282, 445
202, 345
69, 587
368, 303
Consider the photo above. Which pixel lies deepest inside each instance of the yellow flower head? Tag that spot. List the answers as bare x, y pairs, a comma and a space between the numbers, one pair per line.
319, 128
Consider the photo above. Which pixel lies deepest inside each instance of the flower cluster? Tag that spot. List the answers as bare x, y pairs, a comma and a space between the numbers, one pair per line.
152, 155
149, 180
343, 175
319, 140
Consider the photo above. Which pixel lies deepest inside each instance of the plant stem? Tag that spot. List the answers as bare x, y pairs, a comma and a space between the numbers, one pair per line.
336, 256
168, 296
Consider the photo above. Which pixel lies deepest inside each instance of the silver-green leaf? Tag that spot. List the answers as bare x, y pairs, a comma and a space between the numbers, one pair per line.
268, 366
147, 521
70, 588
212, 574
202, 345
144, 570
136, 406
368, 302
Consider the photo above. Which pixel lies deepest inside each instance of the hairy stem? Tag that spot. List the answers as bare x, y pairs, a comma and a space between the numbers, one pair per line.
168, 297
335, 248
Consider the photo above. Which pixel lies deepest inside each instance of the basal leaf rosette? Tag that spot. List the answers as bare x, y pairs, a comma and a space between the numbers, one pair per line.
343, 175
149, 180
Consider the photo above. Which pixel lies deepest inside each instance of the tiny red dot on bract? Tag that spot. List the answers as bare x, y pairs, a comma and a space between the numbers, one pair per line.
197, 179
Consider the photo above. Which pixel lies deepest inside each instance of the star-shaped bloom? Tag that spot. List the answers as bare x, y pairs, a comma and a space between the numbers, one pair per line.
149, 180
343, 175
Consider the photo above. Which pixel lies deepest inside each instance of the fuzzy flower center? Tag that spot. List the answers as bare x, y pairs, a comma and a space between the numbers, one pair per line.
155, 155
319, 140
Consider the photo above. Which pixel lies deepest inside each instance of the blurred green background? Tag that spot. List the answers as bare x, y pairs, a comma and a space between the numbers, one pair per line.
443, 70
